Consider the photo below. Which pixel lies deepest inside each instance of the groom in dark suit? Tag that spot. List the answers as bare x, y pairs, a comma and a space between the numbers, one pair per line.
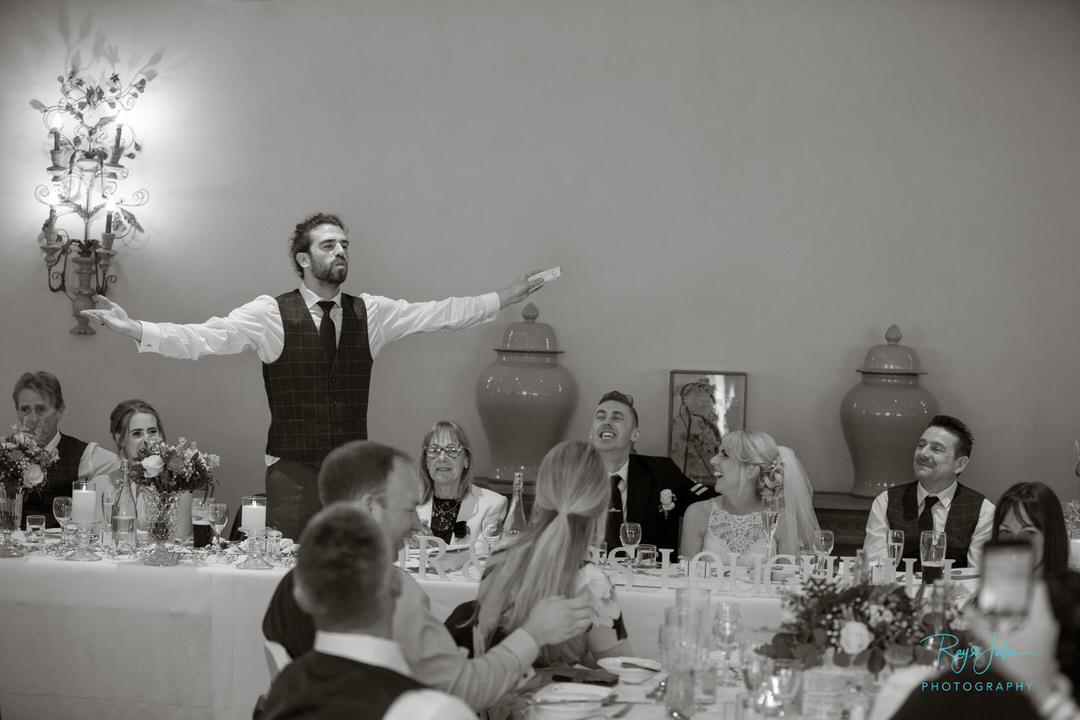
645, 489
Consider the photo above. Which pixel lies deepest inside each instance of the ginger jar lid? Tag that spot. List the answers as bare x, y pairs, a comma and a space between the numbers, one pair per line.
529, 336
892, 358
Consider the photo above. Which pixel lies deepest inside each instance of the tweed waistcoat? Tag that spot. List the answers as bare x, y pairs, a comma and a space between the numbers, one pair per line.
903, 514
57, 480
317, 404
330, 687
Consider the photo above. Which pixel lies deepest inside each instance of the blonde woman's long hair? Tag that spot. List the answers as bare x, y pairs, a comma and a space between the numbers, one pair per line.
572, 492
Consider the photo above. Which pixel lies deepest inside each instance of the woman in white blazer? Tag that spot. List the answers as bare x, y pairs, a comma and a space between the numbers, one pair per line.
451, 507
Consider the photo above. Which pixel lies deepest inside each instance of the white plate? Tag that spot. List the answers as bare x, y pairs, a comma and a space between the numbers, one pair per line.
630, 674
415, 552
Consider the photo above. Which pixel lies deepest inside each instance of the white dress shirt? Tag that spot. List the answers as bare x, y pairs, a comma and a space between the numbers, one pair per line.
423, 704
257, 326
877, 524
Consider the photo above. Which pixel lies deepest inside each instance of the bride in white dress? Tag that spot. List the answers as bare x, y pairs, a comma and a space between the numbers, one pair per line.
748, 468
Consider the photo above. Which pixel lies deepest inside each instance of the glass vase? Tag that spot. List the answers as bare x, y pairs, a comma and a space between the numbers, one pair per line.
10, 519
161, 509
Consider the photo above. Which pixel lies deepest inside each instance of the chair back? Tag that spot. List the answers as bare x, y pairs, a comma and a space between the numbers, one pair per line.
277, 657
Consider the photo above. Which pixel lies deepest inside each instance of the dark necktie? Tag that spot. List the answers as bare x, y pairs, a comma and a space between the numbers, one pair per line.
326, 329
615, 515
926, 518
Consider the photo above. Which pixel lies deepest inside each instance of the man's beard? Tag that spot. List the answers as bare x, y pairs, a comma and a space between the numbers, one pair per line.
328, 273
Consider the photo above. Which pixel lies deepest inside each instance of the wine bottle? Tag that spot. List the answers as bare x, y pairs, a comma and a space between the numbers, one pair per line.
124, 515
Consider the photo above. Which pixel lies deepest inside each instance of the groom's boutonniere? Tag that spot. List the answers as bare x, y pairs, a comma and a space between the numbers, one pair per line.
667, 502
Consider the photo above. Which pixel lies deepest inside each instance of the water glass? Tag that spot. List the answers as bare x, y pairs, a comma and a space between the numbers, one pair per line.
727, 629
646, 557
598, 552
932, 555
35, 531
696, 598
786, 675
756, 668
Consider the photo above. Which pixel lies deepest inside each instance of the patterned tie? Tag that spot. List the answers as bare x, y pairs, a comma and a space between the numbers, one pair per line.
926, 518
615, 515
327, 330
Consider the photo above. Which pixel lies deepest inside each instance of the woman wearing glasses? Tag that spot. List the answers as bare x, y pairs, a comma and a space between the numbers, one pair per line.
451, 507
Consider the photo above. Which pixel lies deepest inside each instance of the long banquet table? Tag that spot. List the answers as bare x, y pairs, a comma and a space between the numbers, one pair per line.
118, 640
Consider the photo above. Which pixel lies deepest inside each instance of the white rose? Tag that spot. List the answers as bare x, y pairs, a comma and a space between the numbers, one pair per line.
854, 637
33, 476
594, 584
152, 465
667, 499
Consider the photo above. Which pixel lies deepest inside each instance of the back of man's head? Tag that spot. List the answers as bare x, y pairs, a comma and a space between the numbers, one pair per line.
964, 438
356, 469
342, 570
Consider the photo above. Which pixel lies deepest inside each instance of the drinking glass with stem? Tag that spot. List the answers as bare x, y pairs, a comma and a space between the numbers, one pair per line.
823, 545
770, 513
491, 531
727, 629
630, 534
896, 549
61, 510
218, 515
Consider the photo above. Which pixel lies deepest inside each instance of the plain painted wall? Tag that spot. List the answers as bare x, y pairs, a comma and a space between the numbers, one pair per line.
753, 185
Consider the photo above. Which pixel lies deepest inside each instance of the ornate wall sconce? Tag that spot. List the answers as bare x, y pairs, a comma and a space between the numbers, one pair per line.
89, 145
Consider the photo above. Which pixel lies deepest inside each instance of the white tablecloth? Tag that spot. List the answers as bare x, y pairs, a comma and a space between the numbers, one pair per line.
122, 640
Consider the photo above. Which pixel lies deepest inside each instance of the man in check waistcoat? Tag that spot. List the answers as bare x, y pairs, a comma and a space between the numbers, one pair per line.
317, 345
935, 501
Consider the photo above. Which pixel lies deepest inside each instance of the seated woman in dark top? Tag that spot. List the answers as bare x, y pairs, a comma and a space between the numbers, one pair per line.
451, 507
551, 558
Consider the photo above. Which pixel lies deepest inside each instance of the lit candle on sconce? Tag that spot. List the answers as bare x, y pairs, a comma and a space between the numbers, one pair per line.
110, 206
116, 150
51, 228
56, 123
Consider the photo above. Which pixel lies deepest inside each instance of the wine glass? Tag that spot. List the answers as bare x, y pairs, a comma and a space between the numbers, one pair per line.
630, 534
896, 549
218, 515
770, 513
491, 531
61, 510
727, 629
823, 545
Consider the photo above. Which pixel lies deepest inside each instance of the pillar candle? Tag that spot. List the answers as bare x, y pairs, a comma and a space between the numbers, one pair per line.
253, 518
83, 503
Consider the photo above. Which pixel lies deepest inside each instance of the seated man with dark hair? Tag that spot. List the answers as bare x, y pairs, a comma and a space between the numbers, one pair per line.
383, 482
345, 580
935, 501
645, 489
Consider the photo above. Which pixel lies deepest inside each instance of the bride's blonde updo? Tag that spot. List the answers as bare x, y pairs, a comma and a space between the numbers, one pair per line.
758, 451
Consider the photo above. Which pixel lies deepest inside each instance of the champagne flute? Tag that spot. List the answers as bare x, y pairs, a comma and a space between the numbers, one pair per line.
108, 501
770, 513
630, 534
823, 545
896, 549
727, 629
218, 515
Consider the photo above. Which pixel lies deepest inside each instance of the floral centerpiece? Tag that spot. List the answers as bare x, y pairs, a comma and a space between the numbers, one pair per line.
166, 471
177, 468
23, 463
854, 624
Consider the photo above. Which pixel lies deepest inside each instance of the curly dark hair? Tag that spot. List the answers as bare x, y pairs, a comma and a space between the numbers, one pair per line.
300, 241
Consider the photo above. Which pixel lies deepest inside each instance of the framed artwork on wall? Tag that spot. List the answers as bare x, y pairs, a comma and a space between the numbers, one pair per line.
704, 404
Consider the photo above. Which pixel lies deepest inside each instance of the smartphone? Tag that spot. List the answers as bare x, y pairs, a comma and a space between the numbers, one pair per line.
1008, 578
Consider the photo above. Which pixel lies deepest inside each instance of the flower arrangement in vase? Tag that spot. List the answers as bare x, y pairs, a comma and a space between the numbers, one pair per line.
166, 470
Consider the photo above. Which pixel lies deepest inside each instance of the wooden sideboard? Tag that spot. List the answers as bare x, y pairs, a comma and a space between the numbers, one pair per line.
845, 514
